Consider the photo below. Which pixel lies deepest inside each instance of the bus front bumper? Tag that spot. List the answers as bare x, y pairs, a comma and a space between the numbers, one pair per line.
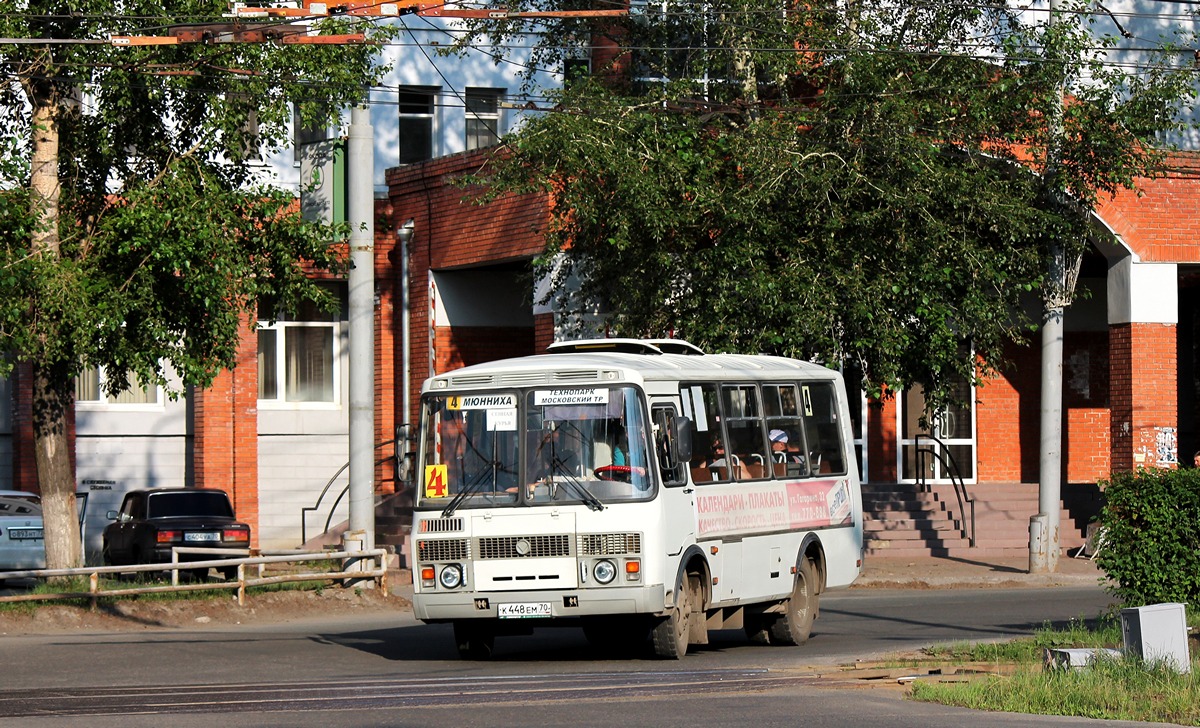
439, 606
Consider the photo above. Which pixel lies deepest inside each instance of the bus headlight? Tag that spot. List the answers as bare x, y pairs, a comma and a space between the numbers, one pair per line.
604, 571
451, 576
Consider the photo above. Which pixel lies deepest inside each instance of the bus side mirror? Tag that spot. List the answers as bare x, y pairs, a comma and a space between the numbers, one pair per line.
405, 453
681, 441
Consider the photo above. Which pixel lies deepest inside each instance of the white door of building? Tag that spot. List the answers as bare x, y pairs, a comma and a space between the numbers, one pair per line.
944, 446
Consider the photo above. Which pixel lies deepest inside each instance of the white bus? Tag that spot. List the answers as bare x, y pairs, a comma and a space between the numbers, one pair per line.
634, 488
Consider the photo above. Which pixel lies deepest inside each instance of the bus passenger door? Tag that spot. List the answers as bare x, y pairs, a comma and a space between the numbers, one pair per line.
679, 495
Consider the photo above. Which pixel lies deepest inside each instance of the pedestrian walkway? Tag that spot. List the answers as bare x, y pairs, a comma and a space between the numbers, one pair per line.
935, 572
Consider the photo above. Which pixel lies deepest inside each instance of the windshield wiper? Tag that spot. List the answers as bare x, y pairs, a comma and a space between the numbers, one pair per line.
585, 495
559, 469
472, 488
492, 467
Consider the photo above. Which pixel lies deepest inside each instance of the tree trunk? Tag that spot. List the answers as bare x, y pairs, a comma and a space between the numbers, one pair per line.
51, 380
51, 402
43, 178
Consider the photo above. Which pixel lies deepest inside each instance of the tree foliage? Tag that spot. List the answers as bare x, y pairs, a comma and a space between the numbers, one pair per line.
1149, 544
167, 234
136, 231
875, 184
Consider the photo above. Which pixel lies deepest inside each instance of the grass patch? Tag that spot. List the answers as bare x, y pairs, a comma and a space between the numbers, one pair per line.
1102, 632
1111, 689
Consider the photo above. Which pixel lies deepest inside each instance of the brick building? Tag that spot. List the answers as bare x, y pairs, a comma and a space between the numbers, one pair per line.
1129, 368
274, 430
1129, 353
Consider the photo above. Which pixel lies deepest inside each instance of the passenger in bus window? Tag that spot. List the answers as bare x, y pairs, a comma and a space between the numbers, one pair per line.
620, 445
719, 464
628, 457
716, 459
780, 452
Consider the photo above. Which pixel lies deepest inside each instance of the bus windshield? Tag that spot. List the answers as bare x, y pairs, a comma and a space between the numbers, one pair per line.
541, 446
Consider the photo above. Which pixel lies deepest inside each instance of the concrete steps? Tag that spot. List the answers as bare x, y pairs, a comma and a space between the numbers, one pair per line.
902, 521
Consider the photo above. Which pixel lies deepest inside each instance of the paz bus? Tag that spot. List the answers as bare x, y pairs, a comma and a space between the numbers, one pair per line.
639, 489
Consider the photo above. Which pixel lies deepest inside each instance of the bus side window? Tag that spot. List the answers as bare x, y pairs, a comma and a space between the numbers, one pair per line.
822, 429
710, 461
785, 431
744, 423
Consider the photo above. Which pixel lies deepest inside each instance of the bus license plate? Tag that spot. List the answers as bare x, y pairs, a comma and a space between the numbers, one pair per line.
206, 537
523, 609
25, 534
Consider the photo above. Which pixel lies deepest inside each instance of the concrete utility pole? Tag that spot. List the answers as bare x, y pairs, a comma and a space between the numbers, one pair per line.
1045, 526
360, 213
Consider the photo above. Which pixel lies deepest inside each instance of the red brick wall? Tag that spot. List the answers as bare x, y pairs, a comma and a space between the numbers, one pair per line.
462, 346
1144, 392
543, 328
451, 231
1002, 402
388, 361
1008, 413
1086, 403
1160, 221
881, 441
226, 433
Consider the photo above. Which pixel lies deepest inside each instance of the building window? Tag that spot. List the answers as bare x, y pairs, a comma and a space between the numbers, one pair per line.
483, 117
91, 384
298, 355
418, 118
575, 71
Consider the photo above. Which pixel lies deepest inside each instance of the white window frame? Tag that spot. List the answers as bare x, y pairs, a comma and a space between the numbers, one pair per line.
938, 427
433, 118
281, 328
493, 94
106, 404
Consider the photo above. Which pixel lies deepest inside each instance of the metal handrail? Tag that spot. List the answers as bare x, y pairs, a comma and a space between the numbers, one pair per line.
305, 510
943, 456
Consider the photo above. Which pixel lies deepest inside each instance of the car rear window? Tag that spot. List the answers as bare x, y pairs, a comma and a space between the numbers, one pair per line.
188, 503
18, 505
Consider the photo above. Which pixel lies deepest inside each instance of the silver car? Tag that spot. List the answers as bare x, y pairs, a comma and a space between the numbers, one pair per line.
21, 543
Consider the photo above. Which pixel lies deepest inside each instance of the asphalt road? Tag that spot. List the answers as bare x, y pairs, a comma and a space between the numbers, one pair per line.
373, 670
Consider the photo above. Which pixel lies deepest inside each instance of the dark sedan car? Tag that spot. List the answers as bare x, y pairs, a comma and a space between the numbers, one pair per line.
153, 521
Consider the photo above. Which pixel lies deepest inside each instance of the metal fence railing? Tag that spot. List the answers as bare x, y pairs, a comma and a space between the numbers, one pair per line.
359, 566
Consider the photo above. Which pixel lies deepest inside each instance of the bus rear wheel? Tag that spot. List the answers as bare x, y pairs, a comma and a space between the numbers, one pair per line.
671, 635
474, 642
794, 626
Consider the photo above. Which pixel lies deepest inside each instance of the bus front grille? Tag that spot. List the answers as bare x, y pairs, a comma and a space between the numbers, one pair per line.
609, 544
520, 547
441, 525
443, 549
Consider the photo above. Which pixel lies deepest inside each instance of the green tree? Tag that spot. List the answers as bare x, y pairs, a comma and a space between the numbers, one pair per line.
877, 184
133, 235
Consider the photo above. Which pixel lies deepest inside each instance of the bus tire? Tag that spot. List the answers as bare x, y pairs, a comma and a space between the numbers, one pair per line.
794, 626
670, 636
474, 642
757, 628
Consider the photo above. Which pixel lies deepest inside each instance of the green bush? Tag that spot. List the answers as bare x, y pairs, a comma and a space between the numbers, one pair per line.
1151, 536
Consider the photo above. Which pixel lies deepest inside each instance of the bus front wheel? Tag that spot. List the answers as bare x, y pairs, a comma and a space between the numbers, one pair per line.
474, 641
670, 636
795, 625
